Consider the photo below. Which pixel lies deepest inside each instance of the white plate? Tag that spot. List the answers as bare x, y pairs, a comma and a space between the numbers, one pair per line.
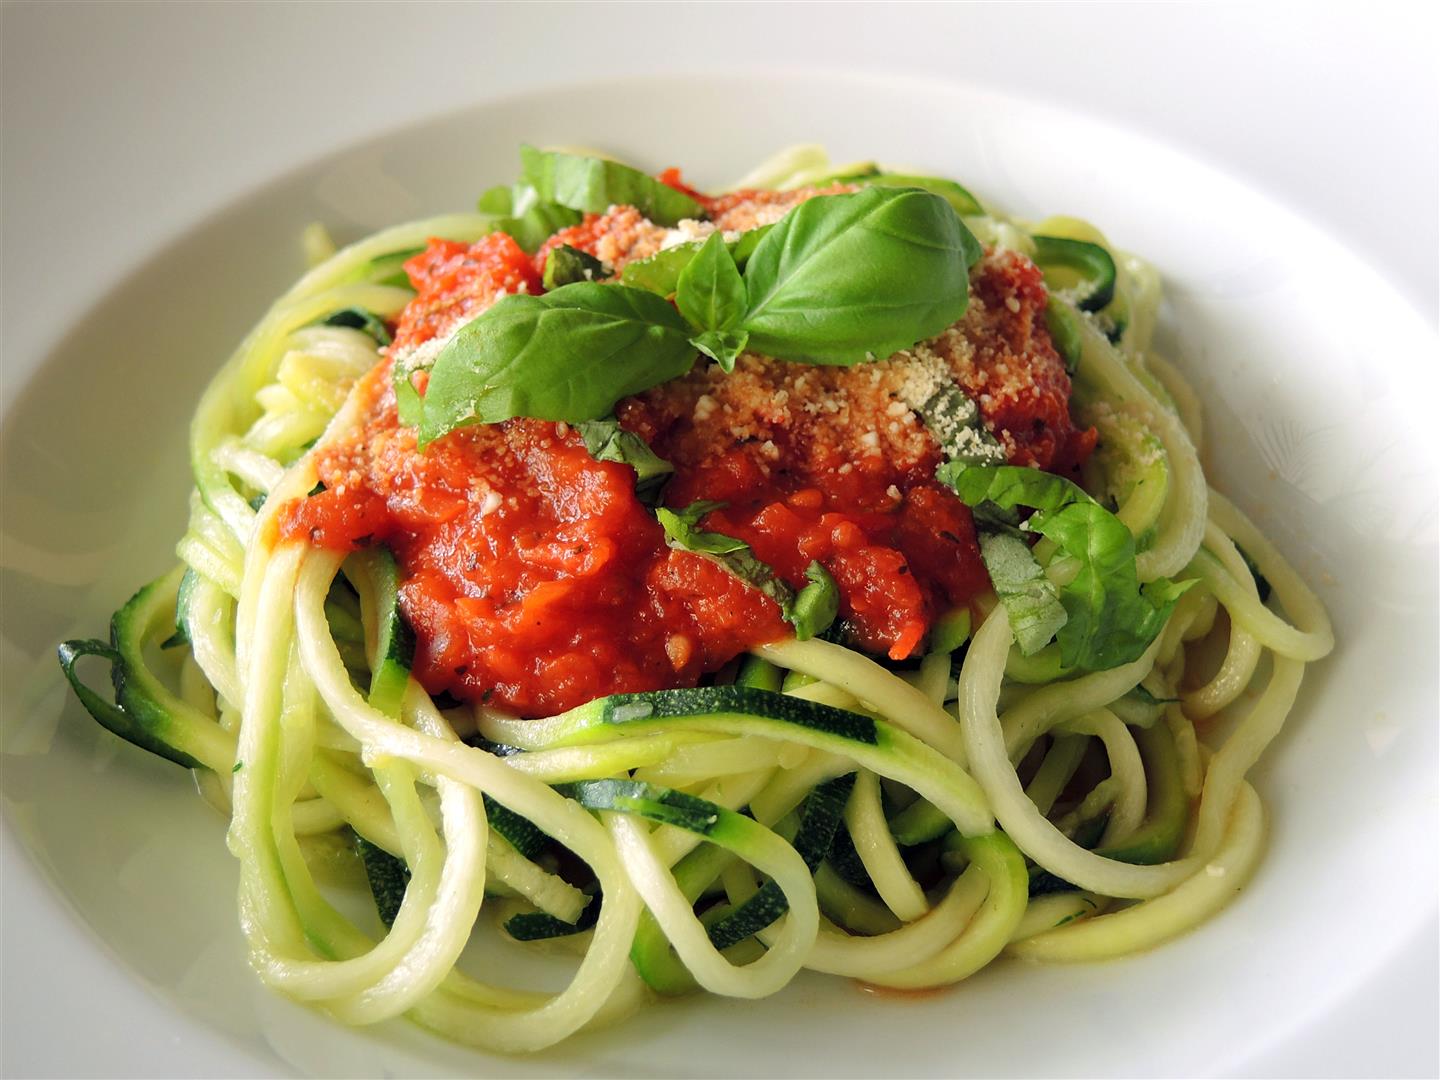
1318, 380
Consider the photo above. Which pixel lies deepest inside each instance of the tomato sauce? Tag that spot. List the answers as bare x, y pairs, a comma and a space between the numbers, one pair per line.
454, 282
532, 576
536, 580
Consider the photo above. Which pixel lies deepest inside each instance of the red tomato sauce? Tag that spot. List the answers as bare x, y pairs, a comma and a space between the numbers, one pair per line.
532, 576
454, 282
536, 580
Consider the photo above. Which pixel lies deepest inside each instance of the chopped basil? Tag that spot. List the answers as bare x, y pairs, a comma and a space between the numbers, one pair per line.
816, 605
811, 611
566, 265
1030, 599
1110, 619
608, 441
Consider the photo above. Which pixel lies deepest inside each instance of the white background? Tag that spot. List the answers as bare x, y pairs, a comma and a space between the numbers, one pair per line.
1277, 95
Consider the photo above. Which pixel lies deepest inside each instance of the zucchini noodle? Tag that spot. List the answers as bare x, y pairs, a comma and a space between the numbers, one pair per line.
820, 808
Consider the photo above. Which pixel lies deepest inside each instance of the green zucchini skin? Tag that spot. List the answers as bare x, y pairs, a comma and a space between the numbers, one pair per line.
919, 823
396, 645
387, 876
365, 321
845, 860
710, 700
1062, 322
135, 715
758, 674
538, 926
824, 808
139, 730
391, 676
183, 599
1159, 836
651, 954
1092, 261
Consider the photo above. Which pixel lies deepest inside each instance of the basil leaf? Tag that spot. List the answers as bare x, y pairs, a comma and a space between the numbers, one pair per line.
565, 265
722, 346
567, 355
745, 244
660, 273
520, 213
594, 185
537, 224
499, 201
710, 292
1030, 599
952, 416
845, 278
816, 605
1109, 618
682, 528
811, 611
1009, 486
409, 405
608, 441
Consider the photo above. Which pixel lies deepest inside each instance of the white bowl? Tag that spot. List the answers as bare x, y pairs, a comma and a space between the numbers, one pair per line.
1320, 387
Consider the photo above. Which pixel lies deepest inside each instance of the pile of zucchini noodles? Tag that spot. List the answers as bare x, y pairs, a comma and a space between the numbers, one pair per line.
738, 804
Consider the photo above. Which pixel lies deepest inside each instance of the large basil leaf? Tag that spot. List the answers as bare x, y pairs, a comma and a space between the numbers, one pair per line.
567, 355
594, 185
1109, 618
710, 292
846, 278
